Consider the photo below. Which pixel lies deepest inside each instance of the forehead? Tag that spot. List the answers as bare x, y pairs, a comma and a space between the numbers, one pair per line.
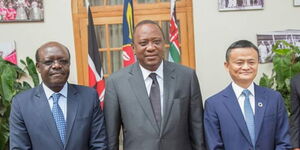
243, 53
53, 51
147, 30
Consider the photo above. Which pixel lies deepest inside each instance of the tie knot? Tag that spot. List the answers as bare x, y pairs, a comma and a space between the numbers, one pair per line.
246, 92
152, 76
55, 97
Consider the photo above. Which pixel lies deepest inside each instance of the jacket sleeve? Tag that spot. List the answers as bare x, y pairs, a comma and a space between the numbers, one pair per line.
98, 137
196, 116
295, 114
112, 115
212, 128
19, 138
282, 137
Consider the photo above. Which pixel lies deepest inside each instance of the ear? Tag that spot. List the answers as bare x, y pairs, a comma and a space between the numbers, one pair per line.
226, 64
38, 67
133, 48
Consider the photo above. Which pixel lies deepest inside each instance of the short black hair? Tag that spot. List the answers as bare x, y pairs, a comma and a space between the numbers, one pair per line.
147, 22
49, 44
240, 44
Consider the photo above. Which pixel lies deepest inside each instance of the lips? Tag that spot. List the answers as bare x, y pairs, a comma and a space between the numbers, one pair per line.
56, 74
151, 56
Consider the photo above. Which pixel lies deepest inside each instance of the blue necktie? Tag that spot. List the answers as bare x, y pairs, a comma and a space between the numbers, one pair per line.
59, 117
249, 116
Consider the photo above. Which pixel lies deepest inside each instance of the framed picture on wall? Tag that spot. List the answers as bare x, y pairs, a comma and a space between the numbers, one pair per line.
21, 11
227, 5
8, 51
296, 2
266, 41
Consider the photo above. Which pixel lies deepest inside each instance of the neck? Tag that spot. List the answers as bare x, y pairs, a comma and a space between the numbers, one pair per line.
243, 85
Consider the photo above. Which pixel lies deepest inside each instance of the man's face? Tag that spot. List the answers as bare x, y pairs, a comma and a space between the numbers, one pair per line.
54, 66
149, 46
242, 65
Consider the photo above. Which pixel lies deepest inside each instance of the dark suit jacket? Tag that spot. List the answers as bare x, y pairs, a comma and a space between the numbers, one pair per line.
127, 105
225, 127
32, 125
295, 111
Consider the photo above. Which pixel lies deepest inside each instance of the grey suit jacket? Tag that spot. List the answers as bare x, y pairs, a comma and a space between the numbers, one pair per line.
295, 111
127, 105
32, 125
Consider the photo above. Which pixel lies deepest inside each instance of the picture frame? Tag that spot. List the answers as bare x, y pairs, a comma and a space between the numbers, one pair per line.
296, 2
8, 51
266, 41
21, 11
231, 5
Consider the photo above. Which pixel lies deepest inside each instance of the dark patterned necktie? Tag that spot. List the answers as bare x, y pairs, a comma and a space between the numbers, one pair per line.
59, 117
155, 98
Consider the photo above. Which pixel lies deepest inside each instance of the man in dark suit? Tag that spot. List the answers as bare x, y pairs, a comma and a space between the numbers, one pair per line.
245, 116
295, 113
56, 115
157, 103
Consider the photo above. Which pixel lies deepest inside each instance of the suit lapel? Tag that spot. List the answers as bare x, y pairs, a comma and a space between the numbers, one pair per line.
260, 107
72, 106
169, 88
233, 107
137, 84
43, 109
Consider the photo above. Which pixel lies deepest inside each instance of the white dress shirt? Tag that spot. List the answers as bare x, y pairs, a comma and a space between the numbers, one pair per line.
62, 102
148, 82
241, 98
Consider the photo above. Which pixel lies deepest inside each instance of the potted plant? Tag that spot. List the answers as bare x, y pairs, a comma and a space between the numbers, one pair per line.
286, 64
10, 85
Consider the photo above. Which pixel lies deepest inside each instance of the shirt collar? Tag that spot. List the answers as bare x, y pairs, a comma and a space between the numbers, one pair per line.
238, 90
49, 92
146, 72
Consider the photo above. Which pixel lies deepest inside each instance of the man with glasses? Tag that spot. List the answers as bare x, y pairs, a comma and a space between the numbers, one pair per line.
56, 115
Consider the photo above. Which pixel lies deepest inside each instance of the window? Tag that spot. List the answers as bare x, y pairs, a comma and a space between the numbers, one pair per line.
108, 15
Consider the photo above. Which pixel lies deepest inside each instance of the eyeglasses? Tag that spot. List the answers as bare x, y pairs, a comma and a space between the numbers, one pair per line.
61, 62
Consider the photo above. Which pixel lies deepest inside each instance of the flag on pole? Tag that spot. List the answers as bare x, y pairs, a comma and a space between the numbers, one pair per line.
128, 55
95, 71
174, 51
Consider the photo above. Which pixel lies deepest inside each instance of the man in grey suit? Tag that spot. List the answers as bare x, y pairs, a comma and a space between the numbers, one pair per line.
56, 115
157, 103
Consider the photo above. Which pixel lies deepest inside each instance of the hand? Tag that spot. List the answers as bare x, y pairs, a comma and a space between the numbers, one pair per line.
296, 148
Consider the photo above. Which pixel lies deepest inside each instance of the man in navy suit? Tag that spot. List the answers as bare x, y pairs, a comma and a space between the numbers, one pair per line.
56, 115
245, 116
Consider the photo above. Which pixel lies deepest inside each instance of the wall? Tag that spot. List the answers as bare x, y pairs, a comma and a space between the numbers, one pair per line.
57, 26
215, 31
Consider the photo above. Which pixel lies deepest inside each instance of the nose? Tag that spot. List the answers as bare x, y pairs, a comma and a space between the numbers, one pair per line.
150, 46
246, 66
56, 64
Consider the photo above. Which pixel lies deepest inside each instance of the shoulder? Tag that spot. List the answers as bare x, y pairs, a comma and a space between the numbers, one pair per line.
29, 92
178, 67
265, 90
123, 72
296, 78
82, 89
216, 98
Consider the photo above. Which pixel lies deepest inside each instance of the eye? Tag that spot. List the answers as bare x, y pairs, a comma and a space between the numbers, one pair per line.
239, 63
143, 43
47, 62
63, 62
157, 42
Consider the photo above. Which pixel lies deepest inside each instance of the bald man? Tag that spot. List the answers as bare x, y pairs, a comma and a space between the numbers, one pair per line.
56, 115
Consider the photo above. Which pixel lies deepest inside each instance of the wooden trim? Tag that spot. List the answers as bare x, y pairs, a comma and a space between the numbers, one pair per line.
105, 15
